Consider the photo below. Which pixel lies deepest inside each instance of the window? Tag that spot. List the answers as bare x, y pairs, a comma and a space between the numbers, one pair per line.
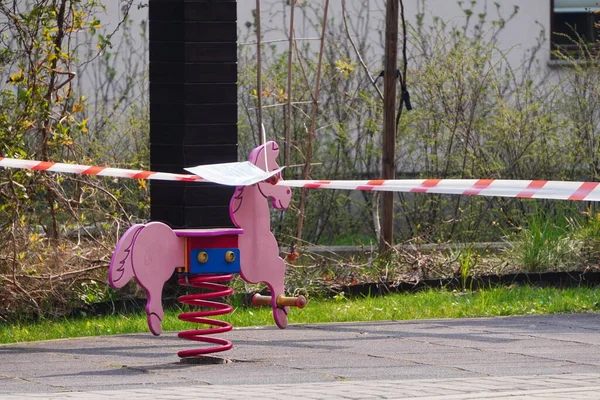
575, 25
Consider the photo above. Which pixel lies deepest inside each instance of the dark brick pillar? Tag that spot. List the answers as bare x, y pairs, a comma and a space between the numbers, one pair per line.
193, 106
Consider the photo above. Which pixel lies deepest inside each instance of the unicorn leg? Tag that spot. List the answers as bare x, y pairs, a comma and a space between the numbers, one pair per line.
277, 288
154, 309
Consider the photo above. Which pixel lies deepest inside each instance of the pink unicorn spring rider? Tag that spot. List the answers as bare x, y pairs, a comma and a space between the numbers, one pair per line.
206, 258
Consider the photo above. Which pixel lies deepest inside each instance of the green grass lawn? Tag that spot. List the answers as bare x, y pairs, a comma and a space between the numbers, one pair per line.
423, 305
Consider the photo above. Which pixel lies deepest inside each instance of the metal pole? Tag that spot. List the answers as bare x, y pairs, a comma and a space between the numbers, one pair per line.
288, 114
388, 162
259, 72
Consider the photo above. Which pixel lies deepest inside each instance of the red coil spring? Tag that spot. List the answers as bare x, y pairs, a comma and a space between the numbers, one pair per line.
217, 290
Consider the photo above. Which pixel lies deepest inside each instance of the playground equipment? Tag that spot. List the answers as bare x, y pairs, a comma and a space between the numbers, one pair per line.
208, 258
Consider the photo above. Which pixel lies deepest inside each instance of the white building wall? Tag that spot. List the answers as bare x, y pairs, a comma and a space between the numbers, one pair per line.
521, 33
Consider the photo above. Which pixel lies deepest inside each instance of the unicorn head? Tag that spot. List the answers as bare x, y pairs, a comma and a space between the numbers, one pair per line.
265, 157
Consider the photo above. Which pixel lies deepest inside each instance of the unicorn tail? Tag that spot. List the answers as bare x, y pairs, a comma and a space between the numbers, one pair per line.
120, 271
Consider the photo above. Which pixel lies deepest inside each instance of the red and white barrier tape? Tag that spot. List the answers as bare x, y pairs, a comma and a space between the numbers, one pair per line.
530, 189
556, 190
100, 171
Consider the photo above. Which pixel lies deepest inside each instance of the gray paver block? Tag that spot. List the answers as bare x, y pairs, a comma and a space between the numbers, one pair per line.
406, 358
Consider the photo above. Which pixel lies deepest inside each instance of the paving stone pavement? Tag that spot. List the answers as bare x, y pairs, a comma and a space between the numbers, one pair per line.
532, 357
